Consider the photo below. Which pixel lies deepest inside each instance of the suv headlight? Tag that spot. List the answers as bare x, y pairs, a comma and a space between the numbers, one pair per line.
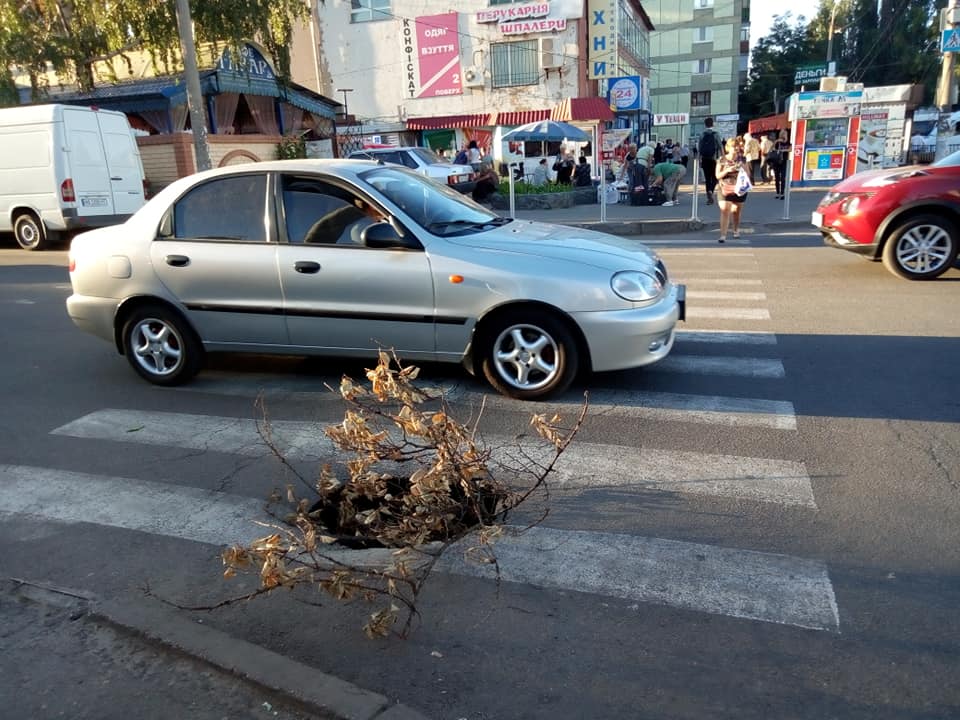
635, 286
852, 202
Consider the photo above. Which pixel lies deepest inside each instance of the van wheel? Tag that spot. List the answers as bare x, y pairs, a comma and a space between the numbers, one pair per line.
30, 232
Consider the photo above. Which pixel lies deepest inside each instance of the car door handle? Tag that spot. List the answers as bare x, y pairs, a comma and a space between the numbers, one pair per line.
307, 267
116, 178
177, 260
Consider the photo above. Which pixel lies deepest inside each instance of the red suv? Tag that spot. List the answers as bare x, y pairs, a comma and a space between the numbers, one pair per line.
908, 217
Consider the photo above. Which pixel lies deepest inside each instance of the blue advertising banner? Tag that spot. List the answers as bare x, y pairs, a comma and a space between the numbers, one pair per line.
625, 93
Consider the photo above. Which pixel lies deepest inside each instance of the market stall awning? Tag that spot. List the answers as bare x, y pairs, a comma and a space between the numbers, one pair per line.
520, 117
582, 109
443, 122
768, 123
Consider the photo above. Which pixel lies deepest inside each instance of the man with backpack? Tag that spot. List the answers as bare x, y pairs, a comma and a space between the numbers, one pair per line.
709, 150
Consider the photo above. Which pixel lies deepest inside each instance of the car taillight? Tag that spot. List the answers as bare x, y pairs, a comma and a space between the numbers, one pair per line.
66, 191
72, 266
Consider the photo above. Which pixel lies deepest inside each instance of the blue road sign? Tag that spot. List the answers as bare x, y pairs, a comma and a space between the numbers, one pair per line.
950, 42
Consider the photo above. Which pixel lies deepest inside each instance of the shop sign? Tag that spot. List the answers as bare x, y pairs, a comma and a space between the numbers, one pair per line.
251, 63
533, 26
625, 93
828, 104
824, 163
602, 16
506, 13
671, 119
431, 56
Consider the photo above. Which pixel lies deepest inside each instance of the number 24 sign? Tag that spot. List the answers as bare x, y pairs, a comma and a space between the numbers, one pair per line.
625, 93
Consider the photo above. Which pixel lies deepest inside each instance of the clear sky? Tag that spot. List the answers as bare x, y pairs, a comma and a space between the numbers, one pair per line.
762, 12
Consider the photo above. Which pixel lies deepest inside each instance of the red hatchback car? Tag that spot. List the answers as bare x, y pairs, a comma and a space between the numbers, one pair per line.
908, 217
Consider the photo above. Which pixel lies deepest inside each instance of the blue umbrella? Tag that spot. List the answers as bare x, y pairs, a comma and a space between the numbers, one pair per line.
542, 131
546, 131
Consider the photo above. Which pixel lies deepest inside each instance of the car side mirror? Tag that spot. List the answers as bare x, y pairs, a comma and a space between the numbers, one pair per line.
382, 235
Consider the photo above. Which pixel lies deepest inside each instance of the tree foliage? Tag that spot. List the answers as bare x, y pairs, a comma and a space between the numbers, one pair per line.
69, 36
876, 42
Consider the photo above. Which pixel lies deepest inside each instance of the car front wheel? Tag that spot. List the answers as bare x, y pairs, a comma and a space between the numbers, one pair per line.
160, 346
530, 357
922, 248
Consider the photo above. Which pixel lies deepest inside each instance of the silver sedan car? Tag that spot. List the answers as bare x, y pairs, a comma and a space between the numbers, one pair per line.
347, 257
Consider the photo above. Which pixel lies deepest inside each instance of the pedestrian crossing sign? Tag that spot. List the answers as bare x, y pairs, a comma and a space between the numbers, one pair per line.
950, 41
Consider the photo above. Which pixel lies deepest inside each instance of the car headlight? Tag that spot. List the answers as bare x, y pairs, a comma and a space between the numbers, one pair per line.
851, 203
636, 286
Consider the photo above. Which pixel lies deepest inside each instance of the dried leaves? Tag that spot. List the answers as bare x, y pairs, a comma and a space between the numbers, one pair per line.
416, 481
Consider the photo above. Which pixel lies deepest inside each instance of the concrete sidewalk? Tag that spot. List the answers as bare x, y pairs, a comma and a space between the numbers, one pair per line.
762, 208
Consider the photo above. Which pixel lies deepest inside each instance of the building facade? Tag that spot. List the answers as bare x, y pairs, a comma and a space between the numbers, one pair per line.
403, 66
699, 54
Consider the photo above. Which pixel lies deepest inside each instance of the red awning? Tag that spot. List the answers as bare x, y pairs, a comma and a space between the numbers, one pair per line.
445, 122
768, 123
520, 117
582, 109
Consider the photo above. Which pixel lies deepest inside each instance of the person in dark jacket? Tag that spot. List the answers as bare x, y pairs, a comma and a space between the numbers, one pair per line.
582, 176
564, 169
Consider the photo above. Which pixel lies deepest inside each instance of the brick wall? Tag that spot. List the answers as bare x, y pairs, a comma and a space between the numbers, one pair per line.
169, 157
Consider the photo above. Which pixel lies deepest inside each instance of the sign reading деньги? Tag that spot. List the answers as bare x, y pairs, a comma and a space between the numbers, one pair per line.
806, 74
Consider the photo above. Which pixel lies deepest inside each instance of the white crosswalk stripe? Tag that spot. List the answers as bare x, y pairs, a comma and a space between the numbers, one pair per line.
706, 578
724, 295
742, 337
584, 465
727, 313
715, 365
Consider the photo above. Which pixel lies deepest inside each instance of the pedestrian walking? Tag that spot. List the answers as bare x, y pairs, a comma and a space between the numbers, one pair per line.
731, 202
709, 148
684, 154
782, 148
751, 149
668, 174
658, 153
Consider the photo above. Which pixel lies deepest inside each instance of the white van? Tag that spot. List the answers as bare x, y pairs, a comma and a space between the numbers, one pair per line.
65, 168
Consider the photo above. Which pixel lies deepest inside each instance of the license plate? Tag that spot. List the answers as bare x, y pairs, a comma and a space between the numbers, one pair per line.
93, 202
817, 219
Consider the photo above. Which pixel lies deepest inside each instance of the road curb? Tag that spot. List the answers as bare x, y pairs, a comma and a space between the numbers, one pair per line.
305, 687
325, 695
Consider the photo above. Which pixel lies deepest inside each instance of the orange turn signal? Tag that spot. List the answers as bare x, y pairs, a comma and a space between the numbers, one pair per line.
456, 279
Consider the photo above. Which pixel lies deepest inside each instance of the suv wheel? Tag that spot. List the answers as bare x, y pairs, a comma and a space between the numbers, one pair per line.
921, 248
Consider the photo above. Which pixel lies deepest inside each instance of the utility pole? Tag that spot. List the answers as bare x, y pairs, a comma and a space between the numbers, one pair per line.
947, 84
833, 17
198, 115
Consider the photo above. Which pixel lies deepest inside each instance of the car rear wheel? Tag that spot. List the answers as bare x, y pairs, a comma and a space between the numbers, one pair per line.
921, 248
529, 357
30, 232
160, 346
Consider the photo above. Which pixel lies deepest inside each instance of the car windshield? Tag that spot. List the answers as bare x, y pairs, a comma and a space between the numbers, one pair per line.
426, 155
951, 160
435, 207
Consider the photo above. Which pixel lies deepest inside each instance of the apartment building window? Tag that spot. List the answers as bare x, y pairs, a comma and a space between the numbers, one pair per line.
369, 10
700, 99
702, 4
514, 63
703, 34
702, 67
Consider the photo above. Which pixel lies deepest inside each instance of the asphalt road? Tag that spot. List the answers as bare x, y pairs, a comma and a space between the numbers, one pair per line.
765, 526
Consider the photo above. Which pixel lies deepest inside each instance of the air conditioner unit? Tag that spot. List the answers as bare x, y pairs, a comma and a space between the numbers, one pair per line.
550, 56
833, 84
473, 77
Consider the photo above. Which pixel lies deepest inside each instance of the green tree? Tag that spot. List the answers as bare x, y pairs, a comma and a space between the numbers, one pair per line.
773, 62
69, 36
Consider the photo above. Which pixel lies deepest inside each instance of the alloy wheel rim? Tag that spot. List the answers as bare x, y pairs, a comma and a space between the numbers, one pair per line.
526, 357
157, 347
924, 248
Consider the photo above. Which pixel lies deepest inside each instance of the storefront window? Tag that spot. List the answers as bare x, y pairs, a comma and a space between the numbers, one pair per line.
369, 10
514, 63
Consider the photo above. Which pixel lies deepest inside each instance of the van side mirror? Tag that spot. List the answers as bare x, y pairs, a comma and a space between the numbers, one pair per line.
382, 235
